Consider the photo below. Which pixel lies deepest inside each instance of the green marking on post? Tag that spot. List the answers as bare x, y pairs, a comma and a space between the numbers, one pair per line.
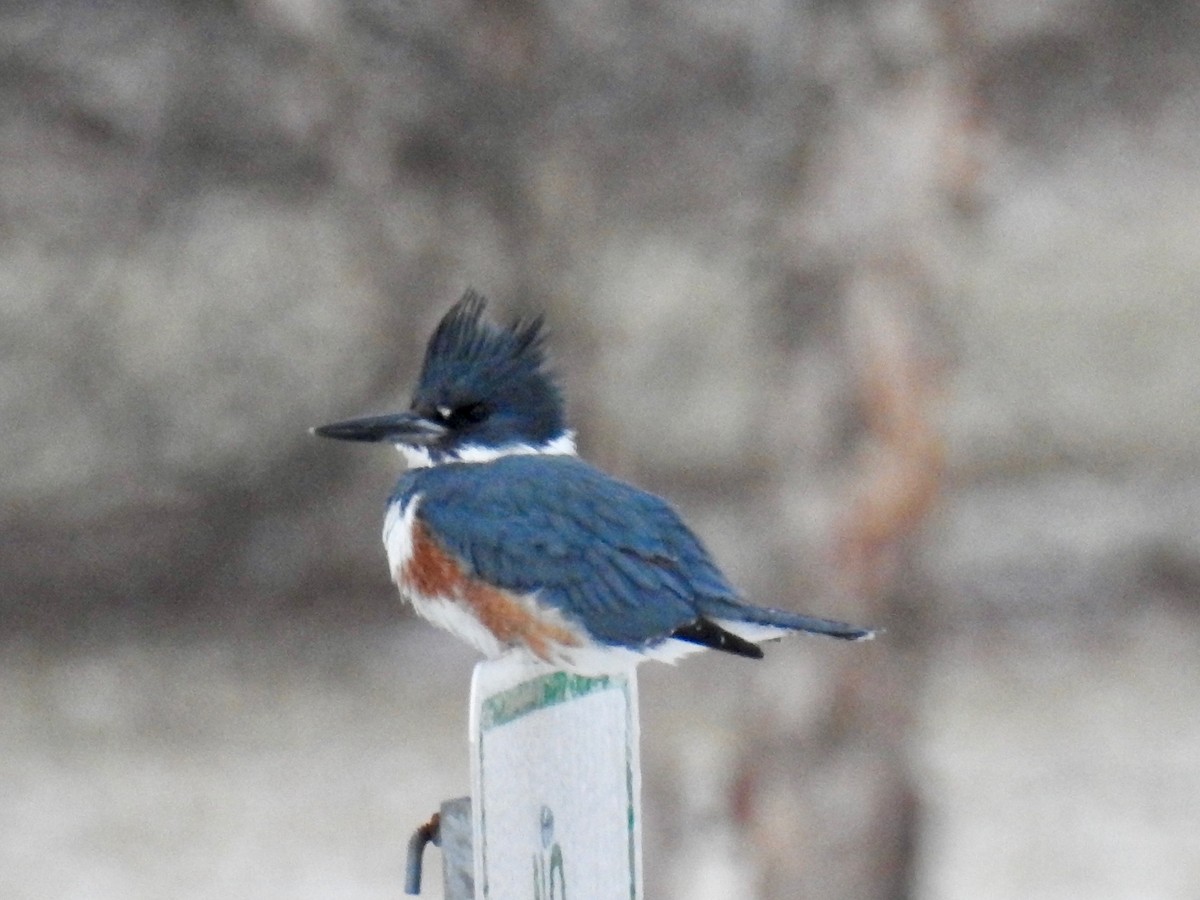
538, 693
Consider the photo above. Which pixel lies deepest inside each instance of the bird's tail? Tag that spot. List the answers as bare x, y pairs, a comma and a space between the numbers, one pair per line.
731, 614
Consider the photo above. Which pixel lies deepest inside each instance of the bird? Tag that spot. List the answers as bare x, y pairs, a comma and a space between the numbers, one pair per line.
501, 534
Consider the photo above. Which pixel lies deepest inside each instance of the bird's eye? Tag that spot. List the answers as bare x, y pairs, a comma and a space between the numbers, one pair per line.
459, 416
468, 414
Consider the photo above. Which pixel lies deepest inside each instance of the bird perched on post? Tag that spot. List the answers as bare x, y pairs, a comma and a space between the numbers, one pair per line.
501, 534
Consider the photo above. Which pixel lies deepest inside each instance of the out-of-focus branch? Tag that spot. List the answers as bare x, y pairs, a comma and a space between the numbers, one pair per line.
902, 458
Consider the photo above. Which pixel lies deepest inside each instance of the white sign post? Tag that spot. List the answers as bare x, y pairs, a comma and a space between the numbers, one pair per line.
555, 784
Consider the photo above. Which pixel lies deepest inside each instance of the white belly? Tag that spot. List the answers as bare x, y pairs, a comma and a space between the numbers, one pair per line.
456, 618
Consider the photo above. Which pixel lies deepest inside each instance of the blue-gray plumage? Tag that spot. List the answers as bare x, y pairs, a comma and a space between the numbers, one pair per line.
501, 534
613, 559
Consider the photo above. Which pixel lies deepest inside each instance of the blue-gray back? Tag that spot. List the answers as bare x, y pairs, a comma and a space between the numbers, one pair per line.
609, 556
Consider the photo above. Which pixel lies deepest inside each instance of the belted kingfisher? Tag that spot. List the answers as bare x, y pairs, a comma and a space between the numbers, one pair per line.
499, 533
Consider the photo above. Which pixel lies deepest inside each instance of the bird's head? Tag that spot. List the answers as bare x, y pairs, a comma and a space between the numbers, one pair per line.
484, 392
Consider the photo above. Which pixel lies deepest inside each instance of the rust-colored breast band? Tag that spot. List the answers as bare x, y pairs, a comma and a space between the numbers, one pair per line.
433, 572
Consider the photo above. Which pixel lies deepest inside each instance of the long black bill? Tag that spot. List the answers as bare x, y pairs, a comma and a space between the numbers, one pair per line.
400, 428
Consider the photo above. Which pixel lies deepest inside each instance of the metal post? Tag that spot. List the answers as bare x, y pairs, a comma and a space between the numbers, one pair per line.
451, 830
458, 853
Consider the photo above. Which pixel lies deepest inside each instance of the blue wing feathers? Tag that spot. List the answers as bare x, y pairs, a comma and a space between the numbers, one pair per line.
612, 557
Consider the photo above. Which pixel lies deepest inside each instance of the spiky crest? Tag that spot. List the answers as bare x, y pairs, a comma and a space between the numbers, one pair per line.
466, 345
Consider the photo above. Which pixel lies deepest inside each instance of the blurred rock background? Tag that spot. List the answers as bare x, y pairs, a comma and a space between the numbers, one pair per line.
896, 299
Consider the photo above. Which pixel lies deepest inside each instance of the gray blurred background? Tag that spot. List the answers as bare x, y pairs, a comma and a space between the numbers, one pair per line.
896, 299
